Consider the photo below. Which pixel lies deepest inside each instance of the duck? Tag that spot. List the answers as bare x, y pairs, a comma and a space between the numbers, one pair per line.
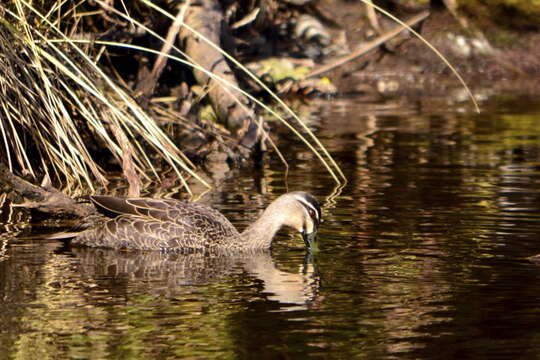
185, 226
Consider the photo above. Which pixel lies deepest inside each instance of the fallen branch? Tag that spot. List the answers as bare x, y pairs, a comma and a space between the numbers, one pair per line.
45, 199
231, 106
369, 46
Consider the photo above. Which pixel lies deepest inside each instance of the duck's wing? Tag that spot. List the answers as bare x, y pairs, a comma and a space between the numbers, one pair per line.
166, 210
156, 224
138, 233
113, 206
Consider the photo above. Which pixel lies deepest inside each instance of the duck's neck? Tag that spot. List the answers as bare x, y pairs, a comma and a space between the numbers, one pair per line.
259, 235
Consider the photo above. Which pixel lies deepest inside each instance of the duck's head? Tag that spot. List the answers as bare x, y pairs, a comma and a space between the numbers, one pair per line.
303, 214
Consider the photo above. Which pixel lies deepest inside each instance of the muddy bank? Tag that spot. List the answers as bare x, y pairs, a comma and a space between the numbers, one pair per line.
489, 54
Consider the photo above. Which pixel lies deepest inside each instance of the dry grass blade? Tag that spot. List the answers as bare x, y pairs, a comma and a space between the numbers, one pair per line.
62, 90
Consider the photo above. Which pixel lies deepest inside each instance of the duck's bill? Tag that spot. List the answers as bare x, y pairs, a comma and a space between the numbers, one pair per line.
310, 241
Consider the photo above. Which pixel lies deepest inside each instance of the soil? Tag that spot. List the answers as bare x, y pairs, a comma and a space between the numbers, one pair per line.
492, 56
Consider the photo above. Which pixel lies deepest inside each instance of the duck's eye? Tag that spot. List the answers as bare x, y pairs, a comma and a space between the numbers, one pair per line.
311, 213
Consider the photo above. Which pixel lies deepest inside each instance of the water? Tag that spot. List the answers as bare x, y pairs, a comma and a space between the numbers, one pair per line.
423, 255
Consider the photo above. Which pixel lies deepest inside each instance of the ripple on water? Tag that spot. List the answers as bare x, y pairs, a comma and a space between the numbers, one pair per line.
422, 256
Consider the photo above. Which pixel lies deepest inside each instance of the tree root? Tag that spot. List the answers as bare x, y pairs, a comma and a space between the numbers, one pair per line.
45, 199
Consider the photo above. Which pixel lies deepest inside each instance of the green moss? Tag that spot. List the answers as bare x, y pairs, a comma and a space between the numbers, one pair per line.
207, 113
506, 13
279, 69
502, 38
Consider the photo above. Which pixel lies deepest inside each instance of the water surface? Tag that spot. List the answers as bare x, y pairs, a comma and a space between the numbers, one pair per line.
423, 255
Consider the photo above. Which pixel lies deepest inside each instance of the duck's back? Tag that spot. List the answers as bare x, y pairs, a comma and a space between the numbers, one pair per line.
156, 224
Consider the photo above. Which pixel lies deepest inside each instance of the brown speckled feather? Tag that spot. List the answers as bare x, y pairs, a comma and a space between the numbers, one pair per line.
164, 224
156, 224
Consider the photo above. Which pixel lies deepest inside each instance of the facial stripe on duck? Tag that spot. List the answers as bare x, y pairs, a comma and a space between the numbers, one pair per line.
312, 204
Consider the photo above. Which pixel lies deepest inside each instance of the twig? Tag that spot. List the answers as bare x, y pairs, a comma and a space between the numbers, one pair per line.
147, 84
48, 200
372, 16
128, 168
369, 46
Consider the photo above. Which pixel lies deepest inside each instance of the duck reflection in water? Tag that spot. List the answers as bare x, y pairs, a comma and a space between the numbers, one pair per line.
172, 273
195, 244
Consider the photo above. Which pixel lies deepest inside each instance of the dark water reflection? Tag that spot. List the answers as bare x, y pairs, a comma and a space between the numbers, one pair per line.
422, 256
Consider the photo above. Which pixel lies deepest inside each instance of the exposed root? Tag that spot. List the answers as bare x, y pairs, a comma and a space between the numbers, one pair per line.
44, 199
